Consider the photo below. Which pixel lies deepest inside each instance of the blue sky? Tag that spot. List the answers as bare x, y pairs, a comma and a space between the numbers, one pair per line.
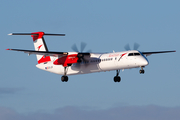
105, 26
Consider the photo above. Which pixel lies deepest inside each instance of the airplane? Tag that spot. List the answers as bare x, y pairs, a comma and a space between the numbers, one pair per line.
79, 62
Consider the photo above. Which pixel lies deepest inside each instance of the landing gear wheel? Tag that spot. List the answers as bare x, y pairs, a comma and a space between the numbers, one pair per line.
64, 78
117, 79
141, 71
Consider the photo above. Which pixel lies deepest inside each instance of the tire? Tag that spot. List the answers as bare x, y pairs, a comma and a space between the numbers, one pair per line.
117, 79
64, 78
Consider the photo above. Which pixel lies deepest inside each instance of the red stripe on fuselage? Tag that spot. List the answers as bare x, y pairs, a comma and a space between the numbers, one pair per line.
123, 55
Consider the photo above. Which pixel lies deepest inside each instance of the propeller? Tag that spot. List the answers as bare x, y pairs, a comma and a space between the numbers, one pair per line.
74, 48
136, 46
81, 54
127, 47
83, 45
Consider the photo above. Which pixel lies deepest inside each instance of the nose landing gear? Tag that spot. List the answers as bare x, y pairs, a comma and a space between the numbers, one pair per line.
117, 78
141, 71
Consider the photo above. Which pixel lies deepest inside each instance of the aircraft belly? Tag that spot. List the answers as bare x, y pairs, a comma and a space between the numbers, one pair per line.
107, 66
50, 67
83, 69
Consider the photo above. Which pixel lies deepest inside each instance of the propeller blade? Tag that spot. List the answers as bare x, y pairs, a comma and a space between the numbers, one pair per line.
83, 45
74, 48
136, 46
127, 47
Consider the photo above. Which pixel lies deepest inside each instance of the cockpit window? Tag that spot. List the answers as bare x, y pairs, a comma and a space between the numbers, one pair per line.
130, 54
136, 54
133, 54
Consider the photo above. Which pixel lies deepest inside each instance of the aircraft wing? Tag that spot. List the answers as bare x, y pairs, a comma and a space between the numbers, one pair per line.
149, 53
46, 53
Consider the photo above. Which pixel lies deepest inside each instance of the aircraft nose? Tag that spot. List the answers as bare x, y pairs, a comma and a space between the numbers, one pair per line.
144, 62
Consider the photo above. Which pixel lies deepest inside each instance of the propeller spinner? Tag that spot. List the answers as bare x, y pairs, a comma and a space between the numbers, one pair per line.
81, 54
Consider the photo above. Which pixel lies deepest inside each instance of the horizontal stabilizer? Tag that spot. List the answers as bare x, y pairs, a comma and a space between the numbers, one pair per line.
36, 34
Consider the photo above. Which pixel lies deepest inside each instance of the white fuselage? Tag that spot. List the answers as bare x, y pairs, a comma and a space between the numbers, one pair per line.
99, 63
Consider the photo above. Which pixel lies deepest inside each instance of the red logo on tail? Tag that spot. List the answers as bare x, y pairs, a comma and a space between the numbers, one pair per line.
39, 47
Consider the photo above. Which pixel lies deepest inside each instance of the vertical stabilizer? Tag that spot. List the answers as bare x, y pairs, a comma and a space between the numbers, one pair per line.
40, 45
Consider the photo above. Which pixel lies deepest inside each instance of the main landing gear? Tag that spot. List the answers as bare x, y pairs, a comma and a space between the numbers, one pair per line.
64, 78
141, 71
117, 78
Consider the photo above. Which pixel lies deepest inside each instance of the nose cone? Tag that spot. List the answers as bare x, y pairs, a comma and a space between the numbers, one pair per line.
144, 62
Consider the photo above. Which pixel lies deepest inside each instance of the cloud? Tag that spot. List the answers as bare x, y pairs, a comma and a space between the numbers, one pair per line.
10, 90
150, 112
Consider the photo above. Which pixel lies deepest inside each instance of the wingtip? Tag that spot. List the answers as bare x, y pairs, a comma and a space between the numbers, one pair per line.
8, 49
10, 34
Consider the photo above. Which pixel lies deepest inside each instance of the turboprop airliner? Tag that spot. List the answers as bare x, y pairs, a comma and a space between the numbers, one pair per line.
79, 62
